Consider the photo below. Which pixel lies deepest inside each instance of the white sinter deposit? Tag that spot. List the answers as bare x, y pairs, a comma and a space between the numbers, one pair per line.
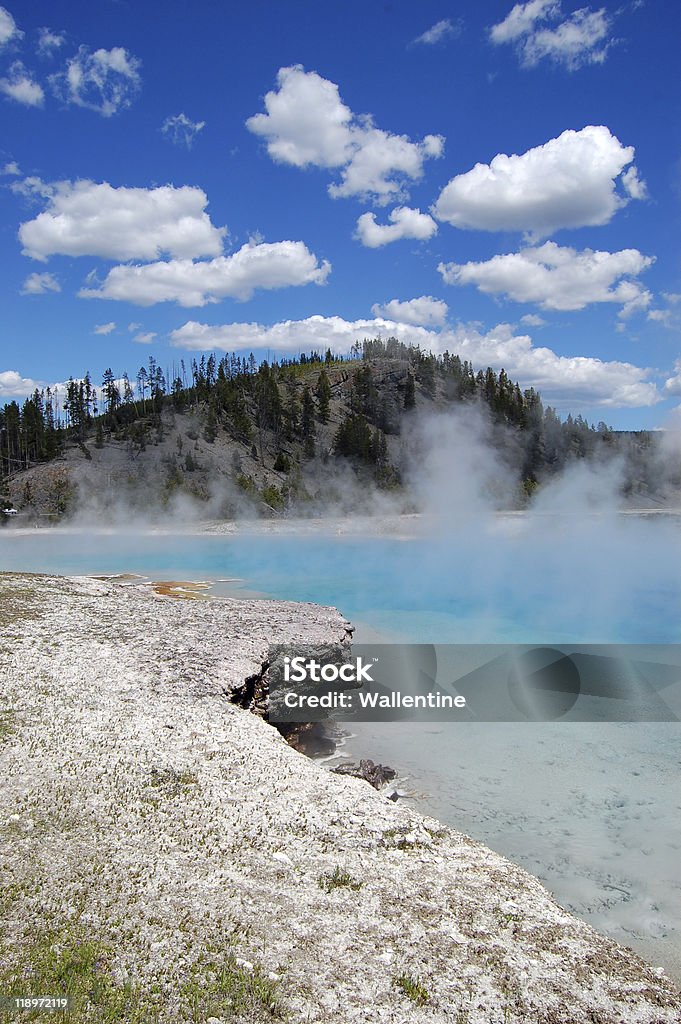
220, 875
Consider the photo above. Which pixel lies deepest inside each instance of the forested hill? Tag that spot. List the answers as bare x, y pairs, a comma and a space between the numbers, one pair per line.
298, 434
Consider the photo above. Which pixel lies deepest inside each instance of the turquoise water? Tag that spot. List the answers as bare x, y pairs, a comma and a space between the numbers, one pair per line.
592, 809
593, 582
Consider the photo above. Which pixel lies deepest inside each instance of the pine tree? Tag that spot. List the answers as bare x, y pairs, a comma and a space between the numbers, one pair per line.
307, 427
323, 396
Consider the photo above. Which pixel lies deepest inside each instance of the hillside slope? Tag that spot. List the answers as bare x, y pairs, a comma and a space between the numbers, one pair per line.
304, 435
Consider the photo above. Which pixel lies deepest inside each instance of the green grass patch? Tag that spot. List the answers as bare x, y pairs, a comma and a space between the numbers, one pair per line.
68, 962
172, 781
338, 880
7, 724
17, 602
220, 987
412, 988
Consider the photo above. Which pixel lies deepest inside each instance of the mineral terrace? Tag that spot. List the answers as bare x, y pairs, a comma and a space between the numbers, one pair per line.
166, 856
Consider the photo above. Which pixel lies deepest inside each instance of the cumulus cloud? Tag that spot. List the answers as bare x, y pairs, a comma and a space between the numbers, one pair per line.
8, 27
568, 182
85, 218
145, 338
532, 320
563, 381
557, 277
20, 87
49, 41
13, 385
40, 284
633, 185
404, 223
11, 169
105, 81
582, 38
307, 124
672, 386
181, 130
105, 328
266, 265
316, 332
444, 29
425, 311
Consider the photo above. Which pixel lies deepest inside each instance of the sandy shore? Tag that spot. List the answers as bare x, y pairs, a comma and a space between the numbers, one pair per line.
189, 866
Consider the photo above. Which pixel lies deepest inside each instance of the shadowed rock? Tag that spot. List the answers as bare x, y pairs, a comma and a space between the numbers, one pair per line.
375, 774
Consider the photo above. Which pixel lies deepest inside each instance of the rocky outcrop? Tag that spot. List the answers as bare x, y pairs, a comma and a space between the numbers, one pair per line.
375, 774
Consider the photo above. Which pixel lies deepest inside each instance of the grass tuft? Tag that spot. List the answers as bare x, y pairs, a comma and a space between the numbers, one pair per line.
338, 880
412, 988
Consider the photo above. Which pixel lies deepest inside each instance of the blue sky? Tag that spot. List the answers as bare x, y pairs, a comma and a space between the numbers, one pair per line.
497, 180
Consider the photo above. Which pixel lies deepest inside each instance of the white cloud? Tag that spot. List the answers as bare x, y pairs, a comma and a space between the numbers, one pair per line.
84, 218
40, 284
563, 381
404, 223
8, 27
440, 30
568, 182
12, 168
633, 185
49, 41
316, 332
306, 121
32, 188
105, 81
532, 320
425, 310
381, 161
267, 265
145, 338
13, 385
307, 124
105, 328
181, 130
522, 19
582, 38
672, 385
20, 87
558, 277
669, 317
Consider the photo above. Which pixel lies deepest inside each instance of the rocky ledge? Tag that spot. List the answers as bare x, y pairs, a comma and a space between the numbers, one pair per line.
166, 856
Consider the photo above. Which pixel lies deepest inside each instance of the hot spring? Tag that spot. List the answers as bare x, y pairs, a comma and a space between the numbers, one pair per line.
592, 809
